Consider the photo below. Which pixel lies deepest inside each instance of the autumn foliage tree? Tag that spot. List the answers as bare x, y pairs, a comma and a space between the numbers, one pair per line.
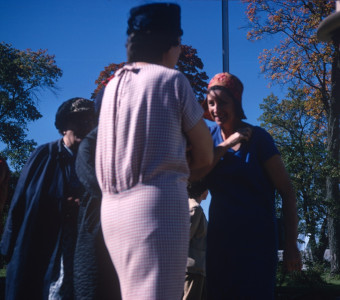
298, 58
189, 64
22, 74
105, 76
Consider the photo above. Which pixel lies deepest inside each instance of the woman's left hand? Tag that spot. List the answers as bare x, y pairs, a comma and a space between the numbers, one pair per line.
242, 134
280, 178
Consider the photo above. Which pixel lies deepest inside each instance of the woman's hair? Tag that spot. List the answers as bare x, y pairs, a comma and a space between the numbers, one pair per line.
149, 47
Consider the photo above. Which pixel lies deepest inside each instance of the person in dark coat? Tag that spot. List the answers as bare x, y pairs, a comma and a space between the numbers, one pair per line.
41, 227
4, 179
94, 274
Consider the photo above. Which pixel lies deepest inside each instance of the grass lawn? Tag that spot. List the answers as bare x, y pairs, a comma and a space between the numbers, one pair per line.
332, 280
2, 283
2, 273
308, 285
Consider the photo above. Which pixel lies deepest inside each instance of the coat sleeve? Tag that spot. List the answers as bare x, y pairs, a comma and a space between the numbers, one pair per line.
85, 164
28, 177
4, 178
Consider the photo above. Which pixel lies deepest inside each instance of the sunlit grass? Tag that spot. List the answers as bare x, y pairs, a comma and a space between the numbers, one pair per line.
2, 272
334, 280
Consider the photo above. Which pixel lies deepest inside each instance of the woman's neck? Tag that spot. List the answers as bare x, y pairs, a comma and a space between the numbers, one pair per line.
141, 63
230, 128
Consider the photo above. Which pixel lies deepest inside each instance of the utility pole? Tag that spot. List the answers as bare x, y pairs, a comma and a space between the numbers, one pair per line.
225, 36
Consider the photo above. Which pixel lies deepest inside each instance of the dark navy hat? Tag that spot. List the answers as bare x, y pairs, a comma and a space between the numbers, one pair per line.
72, 109
155, 18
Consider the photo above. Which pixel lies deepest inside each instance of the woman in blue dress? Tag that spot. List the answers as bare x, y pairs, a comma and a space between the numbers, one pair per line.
242, 235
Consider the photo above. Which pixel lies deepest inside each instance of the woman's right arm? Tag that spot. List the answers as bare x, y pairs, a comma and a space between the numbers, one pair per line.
219, 151
201, 146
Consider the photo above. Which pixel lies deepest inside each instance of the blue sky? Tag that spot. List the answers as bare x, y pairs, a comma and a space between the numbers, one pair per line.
85, 36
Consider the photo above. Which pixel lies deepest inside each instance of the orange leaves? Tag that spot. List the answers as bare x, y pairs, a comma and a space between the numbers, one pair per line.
296, 56
314, 106
277, 19
105, 76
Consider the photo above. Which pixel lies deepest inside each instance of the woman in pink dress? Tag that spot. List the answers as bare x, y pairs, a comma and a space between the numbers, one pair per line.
148, 116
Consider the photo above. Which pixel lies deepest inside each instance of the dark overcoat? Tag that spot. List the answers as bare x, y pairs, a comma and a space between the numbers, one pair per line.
33, 231
94, 273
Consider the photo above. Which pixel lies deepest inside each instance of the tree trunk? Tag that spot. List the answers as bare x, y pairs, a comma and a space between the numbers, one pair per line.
313, 248
323, 242
332, 181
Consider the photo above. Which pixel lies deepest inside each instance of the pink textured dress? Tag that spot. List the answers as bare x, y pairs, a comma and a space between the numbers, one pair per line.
142, 170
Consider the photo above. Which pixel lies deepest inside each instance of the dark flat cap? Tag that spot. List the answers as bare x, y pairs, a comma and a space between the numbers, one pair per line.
71, 108
155, 18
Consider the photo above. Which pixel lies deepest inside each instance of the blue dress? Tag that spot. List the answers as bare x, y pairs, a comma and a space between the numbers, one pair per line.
242, 239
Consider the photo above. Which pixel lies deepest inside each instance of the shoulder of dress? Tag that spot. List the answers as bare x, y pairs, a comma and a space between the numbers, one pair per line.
213, 128
260, 132
171, 73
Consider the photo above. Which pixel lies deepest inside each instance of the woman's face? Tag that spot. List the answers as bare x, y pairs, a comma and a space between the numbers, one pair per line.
71, 140
221, 107
77, 130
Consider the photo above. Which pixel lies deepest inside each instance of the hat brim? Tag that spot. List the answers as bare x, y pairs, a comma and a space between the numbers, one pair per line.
328, 27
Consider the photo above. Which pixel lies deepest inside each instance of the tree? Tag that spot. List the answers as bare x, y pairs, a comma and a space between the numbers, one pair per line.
300, 59
189, 64
22, 74
301, 140
105, 76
